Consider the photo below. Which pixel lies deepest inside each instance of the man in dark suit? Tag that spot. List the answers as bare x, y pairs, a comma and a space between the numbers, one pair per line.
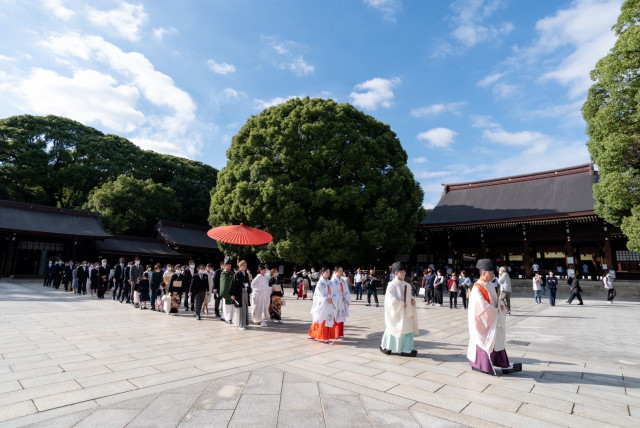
58, 272
83, 275
103, 278
126, 288
135, 275
216, 289
198, 289
119, 279
188, 276
67, 275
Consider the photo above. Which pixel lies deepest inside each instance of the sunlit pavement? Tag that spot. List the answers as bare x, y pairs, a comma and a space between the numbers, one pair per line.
74, 361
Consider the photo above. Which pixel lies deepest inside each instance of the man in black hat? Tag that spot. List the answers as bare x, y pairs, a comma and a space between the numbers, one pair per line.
487, 317
400, 317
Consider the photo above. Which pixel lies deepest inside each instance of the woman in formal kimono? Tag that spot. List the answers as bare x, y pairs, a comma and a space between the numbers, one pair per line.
324, 309
261, 296
487, 317
275, 308
240, 291
74, 279
344, 300
176, 285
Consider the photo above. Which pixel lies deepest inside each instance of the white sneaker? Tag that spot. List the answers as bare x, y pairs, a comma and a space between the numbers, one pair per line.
279, 321
610, 302
242, 328
264, 324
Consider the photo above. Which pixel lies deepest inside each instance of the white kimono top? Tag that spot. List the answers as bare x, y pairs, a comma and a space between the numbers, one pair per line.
323, 311
486, 320
344, 297
261, 297
398, 319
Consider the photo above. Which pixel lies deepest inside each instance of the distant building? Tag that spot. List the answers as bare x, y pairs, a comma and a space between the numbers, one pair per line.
32, 235
545, 218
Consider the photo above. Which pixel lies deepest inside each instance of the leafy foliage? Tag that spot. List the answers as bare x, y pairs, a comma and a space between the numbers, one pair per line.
613, 124
132, 207
56, 161
329, 182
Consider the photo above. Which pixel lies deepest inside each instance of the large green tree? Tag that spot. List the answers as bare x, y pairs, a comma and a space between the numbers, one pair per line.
129, 206
329, 182
56, 161
613, 124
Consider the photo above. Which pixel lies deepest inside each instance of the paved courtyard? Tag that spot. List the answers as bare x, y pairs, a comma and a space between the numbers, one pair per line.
73, 361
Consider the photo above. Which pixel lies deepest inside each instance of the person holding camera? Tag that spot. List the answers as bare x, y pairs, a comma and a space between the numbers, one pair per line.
371, 286
537, 288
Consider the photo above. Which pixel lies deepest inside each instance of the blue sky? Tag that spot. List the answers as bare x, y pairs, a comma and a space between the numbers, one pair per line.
474, 89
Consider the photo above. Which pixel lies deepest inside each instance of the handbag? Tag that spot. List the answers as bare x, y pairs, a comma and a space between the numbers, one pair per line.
421, 292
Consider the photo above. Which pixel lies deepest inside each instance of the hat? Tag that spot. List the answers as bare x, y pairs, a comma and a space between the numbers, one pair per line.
484, 265
227, 261
396, 267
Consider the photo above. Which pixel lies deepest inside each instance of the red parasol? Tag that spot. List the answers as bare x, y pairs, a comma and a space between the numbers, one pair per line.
240, 235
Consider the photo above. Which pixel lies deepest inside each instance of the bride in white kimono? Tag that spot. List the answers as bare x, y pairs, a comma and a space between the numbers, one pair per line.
261, 296
487, 325
324, 309
400, 317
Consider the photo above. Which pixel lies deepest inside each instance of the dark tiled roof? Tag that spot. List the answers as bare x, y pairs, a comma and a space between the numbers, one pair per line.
558, 193
135, 246
40, 219
185, 235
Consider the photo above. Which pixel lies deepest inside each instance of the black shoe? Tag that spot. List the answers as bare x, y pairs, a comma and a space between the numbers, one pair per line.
409, 354
480, 371
199, 318
580, 304
517, 367
385, 351
368, 304
222, 319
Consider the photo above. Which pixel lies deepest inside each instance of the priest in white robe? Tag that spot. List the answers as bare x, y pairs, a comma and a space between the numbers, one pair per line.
487, 325
324, 309
400, 317
340, 286
261, 296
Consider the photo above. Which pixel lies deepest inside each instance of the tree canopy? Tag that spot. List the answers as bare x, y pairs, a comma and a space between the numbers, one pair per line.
329, 182
56, 161
129, 206
613, 125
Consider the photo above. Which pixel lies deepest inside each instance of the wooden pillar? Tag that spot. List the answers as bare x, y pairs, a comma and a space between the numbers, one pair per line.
525, 253
608, 255
10, 258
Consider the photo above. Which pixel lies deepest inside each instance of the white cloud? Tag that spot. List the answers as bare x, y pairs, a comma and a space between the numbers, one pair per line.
221, 68
6, 58
159, 33
534, 142
504, 90
490, 79
374, 93
580, 35
438, 137
288, 50
420, 159
480, 121
111, 99
58, 9
568, 112
389, 8
432, 174
436, 109
262, 104
88, 96
470, 26
126, 20
299, 66
231, 93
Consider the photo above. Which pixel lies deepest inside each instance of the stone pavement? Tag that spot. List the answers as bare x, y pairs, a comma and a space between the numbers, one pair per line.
72, 361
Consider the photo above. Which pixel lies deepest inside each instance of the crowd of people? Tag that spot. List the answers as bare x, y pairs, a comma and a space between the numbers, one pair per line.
168, 288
